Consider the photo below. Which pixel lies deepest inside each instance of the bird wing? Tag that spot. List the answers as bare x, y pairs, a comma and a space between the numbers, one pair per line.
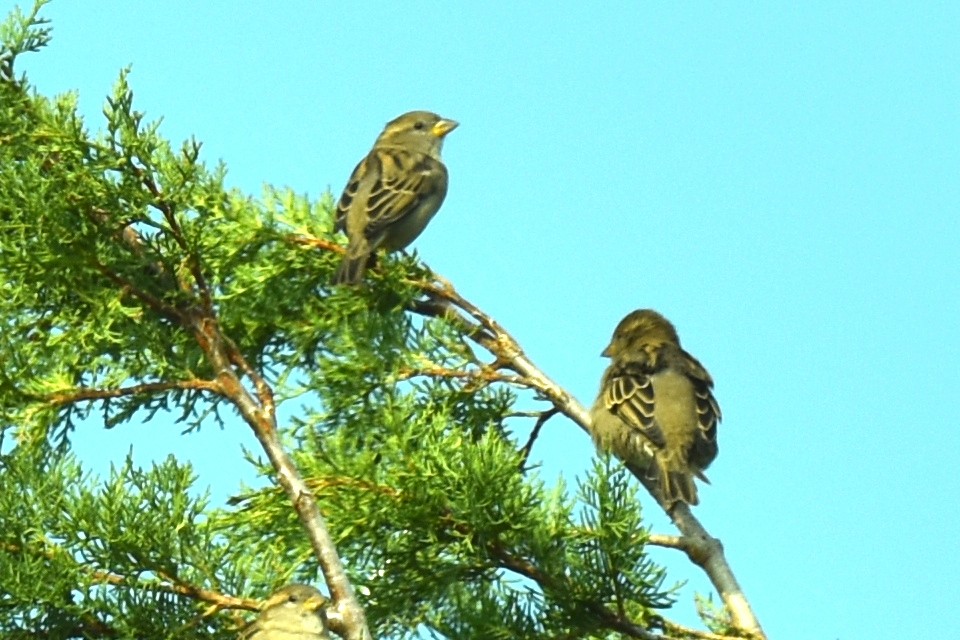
628, 394
350, 193
708, 411
704, 448
402, 180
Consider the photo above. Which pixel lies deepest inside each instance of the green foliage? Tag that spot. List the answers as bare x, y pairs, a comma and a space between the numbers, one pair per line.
22, 33
78, 553
115, 248
715, 615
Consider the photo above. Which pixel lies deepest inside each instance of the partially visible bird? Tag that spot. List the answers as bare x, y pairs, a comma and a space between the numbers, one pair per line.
295, 612
656, 409
394, 191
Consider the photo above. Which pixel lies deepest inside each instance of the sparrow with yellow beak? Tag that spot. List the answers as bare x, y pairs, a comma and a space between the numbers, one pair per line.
656, 409
394, 192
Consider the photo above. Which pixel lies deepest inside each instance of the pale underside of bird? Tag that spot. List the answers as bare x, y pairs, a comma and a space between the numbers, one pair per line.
394, 192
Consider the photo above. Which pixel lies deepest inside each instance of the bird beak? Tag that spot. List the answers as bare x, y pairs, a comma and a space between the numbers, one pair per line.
608, 352
315, 603
444, 127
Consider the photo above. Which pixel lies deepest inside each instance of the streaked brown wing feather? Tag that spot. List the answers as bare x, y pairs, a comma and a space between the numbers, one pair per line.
704, 448
629, 396
350, 192
403, 180
708, 411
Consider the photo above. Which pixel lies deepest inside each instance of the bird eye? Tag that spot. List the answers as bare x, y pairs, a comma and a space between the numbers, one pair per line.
291, 598
419, 125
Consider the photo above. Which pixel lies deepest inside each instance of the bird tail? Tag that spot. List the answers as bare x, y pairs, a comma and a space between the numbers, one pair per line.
676, 485
350, 271
680, 487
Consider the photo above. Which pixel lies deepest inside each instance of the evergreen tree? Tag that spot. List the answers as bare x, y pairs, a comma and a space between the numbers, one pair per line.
136, 286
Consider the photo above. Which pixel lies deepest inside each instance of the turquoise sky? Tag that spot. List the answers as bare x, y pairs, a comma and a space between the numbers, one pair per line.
780, 180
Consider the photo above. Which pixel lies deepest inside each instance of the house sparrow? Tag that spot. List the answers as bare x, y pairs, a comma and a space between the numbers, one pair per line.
394, 191
656, 410
295, 612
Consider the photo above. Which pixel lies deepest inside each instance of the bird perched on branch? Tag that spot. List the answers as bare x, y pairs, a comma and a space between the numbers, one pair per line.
656, 410
394, 191
295, 612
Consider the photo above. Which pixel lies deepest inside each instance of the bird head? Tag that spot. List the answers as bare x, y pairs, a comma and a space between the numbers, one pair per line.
421, 131
643, 326
300, 597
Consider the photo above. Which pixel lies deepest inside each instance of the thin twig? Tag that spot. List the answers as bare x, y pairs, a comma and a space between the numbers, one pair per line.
315, 243
668, 541
534, 433
160, 307
80, 394
483, 374
264, 391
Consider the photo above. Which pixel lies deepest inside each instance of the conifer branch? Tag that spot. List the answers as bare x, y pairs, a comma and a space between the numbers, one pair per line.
218, 601
262, 419
80, 394
258, 411
443, 300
